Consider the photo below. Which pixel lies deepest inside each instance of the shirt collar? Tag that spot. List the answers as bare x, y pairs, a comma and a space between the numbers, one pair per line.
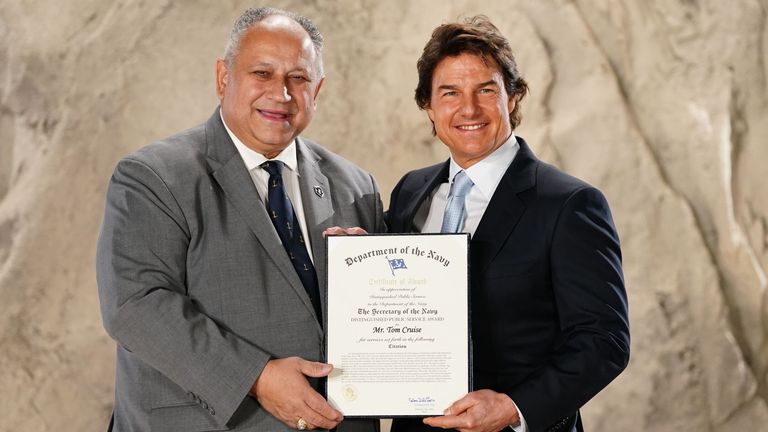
487, 173
254, 159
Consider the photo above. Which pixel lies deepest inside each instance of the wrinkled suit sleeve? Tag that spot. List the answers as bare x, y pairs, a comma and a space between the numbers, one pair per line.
141, 274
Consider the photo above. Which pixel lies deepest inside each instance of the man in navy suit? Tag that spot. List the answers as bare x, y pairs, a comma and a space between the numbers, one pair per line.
549, 309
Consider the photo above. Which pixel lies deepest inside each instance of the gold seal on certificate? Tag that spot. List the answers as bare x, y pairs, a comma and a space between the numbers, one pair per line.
397, 329
349, 392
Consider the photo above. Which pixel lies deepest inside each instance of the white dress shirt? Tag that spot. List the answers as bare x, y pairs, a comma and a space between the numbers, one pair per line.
253, 161
486, 176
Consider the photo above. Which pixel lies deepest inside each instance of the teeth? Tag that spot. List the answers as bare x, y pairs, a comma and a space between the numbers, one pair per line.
274, 114
471, 127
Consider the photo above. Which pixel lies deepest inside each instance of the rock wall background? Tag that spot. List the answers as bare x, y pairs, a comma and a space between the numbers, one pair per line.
660, 103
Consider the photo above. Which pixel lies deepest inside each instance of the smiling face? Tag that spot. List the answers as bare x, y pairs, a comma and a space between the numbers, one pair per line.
269, 91
469, 107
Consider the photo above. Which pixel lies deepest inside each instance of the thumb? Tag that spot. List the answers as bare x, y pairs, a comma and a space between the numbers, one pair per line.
315, 369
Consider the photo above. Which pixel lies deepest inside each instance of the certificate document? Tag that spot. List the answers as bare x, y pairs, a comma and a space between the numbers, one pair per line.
397, 328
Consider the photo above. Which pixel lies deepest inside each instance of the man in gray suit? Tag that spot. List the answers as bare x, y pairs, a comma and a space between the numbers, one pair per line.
211, 260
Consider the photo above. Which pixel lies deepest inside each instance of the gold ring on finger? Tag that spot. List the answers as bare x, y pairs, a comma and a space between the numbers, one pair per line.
301, 424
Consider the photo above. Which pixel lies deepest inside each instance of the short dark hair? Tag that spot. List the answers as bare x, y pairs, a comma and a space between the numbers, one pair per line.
475, 35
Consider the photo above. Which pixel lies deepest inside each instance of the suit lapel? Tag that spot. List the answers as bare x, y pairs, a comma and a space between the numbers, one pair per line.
430, 180
316, 196
505, 208
237, 184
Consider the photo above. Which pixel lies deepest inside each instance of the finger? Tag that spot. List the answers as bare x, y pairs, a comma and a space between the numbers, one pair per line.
335, 230
356, 231
319, 405
314, 369
320, 413
294, 424
315, 421
445, 422
461, 405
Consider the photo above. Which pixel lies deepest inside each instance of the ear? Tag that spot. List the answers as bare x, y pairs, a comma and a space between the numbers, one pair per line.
430, 113
511, 104
317, 90
222, 76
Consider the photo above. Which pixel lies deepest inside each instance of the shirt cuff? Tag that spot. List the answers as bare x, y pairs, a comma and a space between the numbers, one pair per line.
521, 425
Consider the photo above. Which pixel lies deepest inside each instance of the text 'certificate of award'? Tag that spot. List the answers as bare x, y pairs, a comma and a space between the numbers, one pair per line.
397, 323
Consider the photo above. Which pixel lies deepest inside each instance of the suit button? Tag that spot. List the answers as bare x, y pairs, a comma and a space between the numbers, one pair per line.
204, 405
212, 411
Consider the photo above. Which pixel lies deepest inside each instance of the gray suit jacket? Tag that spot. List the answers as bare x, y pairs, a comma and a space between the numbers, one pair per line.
196, 287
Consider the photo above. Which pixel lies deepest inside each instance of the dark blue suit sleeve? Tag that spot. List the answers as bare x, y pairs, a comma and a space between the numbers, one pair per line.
591, 302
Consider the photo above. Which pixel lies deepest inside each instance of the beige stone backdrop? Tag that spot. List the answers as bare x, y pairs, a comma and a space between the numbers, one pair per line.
660, 103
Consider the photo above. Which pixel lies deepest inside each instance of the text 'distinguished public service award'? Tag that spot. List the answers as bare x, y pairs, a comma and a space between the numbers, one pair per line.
397, 328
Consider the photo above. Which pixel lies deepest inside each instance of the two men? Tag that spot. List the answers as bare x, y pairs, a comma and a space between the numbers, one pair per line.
549, 309
211, 259
211, 262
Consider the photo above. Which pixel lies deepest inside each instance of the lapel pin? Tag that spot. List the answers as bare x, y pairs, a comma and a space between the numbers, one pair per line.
319, 191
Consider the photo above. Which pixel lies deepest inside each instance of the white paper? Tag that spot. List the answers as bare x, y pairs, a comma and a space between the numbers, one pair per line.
397, 326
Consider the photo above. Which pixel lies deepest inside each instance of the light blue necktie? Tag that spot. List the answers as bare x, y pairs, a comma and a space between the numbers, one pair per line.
453, 218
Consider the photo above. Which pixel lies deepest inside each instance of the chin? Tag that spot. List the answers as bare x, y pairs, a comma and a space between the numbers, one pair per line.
474, 150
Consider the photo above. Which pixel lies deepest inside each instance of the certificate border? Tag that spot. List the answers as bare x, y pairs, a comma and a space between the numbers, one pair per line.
470, 364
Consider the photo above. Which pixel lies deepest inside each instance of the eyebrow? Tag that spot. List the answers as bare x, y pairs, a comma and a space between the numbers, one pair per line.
488, 83
270, 65
455, 87
447, 87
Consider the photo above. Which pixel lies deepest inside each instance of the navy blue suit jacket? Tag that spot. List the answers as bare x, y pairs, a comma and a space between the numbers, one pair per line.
549, 308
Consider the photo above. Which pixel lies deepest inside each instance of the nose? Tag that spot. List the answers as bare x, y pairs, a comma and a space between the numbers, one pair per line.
469, 104
278, 90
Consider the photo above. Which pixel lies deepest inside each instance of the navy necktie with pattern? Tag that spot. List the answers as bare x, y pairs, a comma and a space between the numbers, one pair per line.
287, 226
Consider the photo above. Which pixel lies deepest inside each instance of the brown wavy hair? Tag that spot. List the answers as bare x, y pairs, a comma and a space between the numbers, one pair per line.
474, 35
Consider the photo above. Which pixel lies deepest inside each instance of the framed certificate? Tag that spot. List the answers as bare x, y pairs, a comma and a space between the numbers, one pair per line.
397, 323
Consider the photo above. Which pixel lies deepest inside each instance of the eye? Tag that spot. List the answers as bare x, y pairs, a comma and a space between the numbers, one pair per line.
298, 78
450, 93
261, 73
487, 90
